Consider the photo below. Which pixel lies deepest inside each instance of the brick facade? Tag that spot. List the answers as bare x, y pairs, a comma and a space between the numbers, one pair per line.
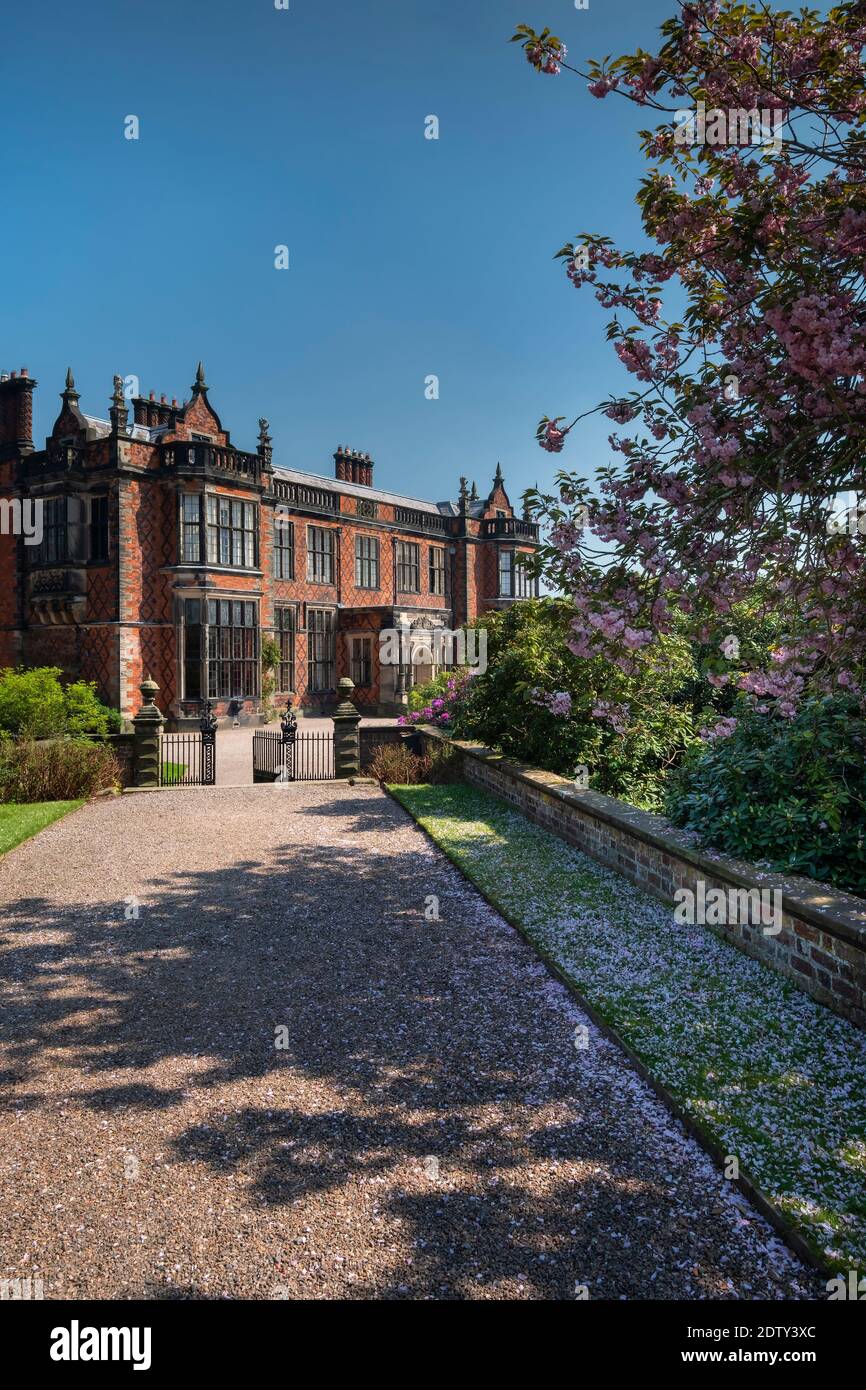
161, 555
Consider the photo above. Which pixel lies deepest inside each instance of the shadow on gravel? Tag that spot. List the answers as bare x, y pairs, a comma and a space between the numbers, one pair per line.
443, 1043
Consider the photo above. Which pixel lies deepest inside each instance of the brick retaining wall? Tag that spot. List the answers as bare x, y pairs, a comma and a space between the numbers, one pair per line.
822, 944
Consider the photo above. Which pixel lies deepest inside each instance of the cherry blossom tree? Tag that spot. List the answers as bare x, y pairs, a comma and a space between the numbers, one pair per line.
748, 417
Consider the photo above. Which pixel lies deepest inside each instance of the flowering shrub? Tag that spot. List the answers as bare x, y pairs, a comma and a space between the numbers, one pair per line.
789, 793
538, 702
440, 701
749, 407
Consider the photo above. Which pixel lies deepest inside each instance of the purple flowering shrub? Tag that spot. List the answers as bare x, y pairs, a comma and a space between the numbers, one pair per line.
441, 702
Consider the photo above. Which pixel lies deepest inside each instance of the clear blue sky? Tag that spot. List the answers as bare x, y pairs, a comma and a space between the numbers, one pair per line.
408, 256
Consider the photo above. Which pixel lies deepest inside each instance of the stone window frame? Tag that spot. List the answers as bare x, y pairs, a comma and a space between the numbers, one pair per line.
364, 665
438, 574
369, 562
280, 632
328, 662
320, 558
283, 530
408, 568
198, 518
206, 659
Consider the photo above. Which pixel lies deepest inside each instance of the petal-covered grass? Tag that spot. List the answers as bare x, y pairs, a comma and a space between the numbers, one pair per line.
19, 822
769, 1075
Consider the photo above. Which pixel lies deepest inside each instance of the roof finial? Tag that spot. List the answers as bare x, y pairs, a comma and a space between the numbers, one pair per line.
473, 496
119, 412
69, 394
498, 480
200, 383
265, 449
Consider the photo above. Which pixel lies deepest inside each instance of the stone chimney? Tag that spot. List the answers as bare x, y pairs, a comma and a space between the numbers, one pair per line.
351, 466
16, 413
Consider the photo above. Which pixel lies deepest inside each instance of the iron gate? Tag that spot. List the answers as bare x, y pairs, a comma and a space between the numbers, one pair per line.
290, 756
189, 760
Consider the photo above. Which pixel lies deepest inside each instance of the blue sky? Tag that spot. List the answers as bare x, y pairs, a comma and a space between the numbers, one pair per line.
305, 127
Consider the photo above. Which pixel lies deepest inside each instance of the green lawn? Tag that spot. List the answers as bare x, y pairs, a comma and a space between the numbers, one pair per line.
773, 1078
19, 822
172, 774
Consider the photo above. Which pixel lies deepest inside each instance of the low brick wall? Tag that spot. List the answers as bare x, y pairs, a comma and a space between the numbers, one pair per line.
822, 943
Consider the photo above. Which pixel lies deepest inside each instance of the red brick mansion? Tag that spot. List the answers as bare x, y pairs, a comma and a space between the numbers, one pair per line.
167, 551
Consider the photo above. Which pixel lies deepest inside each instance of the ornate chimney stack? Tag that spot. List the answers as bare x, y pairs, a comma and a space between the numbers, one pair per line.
351, 466
16, 413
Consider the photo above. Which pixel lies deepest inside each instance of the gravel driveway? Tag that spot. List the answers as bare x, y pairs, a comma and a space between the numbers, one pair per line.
239, 1061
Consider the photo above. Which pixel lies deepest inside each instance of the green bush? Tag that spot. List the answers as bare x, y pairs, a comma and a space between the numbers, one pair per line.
34, 703
58, 770
787, 794
31, 702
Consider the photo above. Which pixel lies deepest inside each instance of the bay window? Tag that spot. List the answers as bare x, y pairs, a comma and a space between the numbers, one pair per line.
218, 530
220, 649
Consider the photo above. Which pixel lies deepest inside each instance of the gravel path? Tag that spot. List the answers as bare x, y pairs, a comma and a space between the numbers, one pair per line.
428, 1129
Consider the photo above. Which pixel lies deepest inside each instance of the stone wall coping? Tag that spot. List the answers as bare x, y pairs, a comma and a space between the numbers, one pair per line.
838, 913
